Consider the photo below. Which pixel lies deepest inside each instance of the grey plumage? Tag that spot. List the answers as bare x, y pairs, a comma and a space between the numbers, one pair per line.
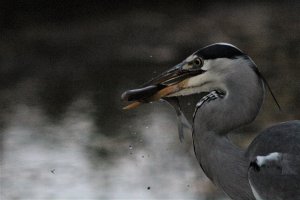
279, 179
226, 164
270, 167
223, 162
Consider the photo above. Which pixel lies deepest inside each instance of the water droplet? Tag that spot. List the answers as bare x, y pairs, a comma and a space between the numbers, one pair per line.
150, 56
148, 188
130, 147
188, 185
147, 127
143, 156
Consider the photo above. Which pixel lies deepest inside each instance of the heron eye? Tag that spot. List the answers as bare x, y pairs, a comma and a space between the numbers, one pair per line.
198, 62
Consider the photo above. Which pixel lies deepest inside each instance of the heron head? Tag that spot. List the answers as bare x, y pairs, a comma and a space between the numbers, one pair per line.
210, 68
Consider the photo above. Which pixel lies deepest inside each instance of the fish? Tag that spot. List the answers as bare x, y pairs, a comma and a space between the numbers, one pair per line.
156, 92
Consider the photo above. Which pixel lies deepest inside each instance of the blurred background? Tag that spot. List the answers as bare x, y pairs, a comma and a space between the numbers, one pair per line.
64, 65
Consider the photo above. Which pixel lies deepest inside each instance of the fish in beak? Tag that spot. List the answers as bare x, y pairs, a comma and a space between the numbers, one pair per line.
165, 87
162, 86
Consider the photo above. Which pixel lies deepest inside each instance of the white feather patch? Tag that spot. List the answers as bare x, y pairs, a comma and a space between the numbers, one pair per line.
262, 160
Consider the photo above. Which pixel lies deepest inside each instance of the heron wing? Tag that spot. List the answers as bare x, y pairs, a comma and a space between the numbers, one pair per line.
274, 162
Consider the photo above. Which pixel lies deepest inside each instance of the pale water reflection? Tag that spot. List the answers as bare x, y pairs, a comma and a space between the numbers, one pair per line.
42, 160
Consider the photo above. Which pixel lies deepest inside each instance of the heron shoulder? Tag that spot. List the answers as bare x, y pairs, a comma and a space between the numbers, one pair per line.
283, 137
275, 176
274, 162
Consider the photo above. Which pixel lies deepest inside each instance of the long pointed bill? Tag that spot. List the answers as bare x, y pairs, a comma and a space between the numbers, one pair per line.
162, 86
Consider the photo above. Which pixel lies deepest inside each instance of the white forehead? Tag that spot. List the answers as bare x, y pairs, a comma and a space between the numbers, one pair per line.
190, 58
225, 63
219, 69
219, 62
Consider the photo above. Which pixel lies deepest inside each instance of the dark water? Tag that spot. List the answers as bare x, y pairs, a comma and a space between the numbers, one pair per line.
62, 71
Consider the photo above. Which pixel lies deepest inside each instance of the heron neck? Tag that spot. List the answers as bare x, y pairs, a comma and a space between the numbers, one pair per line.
221, 160
224, 163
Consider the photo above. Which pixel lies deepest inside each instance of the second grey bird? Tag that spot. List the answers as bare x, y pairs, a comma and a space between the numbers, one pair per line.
269, 169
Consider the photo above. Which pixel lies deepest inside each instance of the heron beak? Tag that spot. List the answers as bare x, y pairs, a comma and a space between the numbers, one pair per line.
167, 83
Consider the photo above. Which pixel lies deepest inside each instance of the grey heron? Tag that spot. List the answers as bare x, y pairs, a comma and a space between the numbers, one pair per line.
269, 169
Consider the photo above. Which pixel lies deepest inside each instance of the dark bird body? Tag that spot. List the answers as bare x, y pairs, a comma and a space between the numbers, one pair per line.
282, 174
